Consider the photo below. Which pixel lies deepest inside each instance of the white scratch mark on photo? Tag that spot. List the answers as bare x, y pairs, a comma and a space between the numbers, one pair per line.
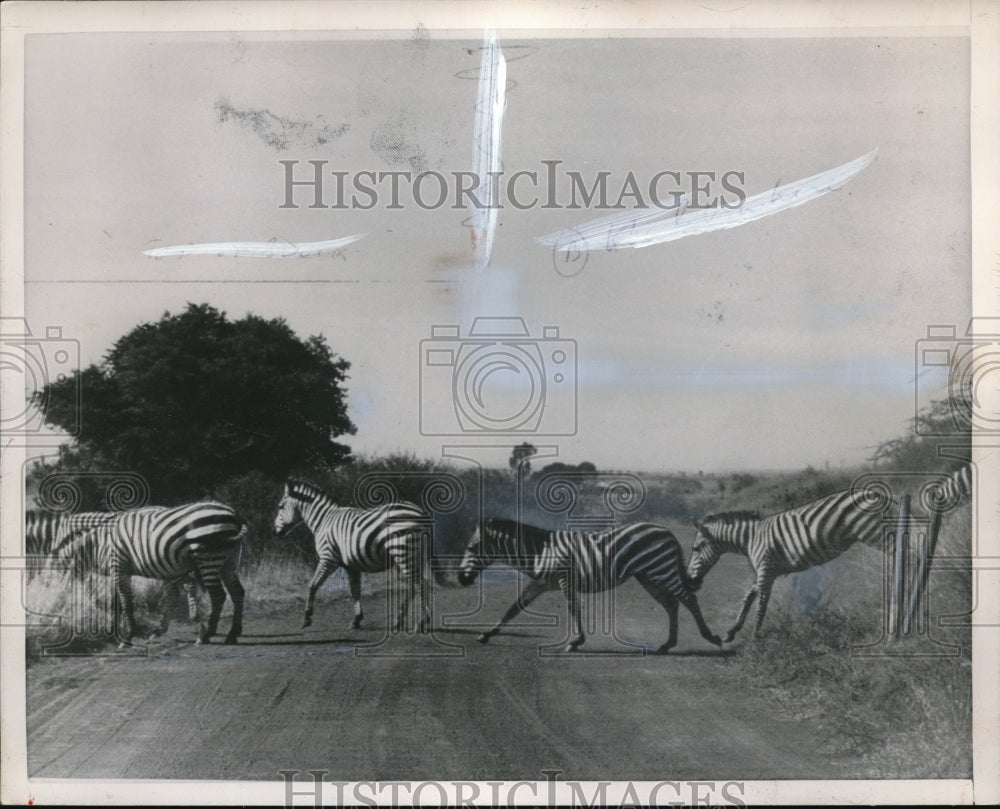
269, 249
610, 229
486, 147
617, 235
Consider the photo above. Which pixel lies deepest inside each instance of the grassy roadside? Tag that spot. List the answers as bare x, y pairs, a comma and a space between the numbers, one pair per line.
899, 708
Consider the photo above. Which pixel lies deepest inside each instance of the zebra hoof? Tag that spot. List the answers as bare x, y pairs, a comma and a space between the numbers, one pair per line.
355, 624
484, 638
730, 635
230, 640
573, 645
665, 648
306, 623
715, 640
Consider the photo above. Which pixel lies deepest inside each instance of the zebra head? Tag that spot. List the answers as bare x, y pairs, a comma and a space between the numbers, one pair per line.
472, 561
719, 534
289, 509
704, 554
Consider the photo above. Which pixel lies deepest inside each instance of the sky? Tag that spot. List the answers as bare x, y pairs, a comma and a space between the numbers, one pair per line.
783, 343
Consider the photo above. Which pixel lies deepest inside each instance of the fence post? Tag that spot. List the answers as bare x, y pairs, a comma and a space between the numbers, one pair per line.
899, 567
923, 572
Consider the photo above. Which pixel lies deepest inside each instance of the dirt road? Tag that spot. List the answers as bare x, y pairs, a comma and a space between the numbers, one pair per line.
411, 708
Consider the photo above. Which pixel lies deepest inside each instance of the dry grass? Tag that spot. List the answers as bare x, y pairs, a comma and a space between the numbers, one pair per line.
76, 615
894, 707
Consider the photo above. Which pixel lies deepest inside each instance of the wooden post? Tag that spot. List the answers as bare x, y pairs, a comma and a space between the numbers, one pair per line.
899, 568
920, 581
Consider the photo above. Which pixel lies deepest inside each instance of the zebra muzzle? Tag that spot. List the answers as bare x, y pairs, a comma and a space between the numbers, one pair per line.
467, 577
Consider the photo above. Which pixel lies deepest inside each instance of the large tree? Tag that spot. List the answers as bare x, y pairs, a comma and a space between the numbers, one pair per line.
194, 399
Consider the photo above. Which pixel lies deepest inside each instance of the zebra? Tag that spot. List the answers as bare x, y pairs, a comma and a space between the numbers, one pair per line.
574, 561
797, 539
47, 530
957, 487
202, 538
361, 541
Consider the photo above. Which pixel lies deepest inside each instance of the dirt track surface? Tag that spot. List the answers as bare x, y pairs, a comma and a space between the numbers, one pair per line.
413, 708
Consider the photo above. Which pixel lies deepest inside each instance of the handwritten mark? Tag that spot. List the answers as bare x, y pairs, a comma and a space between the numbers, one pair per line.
609, 232
486, 148
270, 249
605, 234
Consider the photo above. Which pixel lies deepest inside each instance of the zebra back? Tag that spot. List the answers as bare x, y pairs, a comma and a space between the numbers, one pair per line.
597, 560
360, 538
164, 543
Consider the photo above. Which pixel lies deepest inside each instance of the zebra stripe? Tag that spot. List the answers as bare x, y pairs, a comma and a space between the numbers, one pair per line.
44, 531
47, 531
957, 487
578, 562
204, 539
361, 541
797, 539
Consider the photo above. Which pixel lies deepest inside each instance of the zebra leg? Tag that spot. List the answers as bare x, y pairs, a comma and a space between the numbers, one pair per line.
123, 587
528, 594
692, 605
764, 590
192, 600
747, 603
669, 603
167, 606
576, 625
236, 592
354, 582
323, 571
218, 597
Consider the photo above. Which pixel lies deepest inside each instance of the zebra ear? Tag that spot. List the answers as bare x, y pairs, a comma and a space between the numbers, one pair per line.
698, 526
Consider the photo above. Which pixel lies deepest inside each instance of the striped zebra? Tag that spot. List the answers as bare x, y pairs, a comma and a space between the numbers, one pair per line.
47, 530
798, 539
361, 541
167, 543
577, 562
957, 487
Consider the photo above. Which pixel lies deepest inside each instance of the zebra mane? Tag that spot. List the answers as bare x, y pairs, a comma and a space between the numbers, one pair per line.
303, 490
513, 528
730, 517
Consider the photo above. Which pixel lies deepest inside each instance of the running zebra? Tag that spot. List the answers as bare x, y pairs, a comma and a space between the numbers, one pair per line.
797, 539
47, 530
576, 562
361, 541
167, 543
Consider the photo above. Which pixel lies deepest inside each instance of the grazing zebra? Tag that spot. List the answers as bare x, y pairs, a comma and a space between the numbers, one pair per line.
168, 543
797, 539
47, 530
574, 561
361, 541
